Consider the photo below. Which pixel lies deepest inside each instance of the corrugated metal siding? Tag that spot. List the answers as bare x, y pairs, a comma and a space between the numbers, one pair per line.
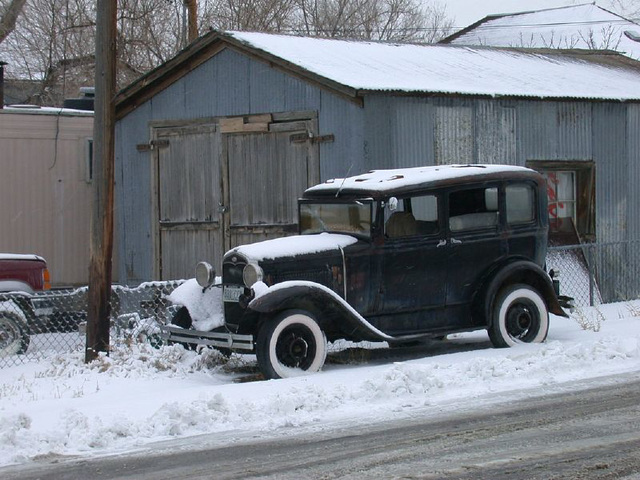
575, 130
412, 128
612, 169
612, 197
134, 198
344, 120
46, 202
495, 133
454, 133
633, 180
537, 131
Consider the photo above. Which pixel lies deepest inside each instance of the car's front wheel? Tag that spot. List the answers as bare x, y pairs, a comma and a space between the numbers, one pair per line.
519, 316
14, 334
290, 344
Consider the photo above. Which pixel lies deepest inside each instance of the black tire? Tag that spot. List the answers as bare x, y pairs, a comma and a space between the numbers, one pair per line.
14, 334
290, 344
519, 315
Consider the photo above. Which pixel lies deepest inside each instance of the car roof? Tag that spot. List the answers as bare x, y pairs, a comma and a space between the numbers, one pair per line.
383, 183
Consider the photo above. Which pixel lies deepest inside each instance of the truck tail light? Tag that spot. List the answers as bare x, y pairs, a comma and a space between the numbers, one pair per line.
46, 277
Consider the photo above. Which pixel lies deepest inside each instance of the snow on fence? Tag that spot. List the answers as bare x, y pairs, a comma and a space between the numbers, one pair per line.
52, 322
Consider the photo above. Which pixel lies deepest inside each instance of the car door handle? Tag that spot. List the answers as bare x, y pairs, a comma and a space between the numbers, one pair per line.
441, 243
455, 241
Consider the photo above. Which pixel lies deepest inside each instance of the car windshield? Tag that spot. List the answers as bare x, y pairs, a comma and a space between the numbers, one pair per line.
350, 218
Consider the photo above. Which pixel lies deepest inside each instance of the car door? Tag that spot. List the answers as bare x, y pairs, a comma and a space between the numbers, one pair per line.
412, 264
476, 241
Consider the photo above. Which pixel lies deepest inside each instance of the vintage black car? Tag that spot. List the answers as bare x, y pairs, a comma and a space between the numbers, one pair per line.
390, 255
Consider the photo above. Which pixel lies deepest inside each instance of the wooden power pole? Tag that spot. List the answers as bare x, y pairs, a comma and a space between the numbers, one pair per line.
192, 14
103, 182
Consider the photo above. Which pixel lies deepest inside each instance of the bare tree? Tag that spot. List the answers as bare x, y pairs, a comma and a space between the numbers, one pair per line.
9, 13
627, 8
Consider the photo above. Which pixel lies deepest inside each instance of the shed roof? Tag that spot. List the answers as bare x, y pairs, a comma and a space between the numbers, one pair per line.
356, 68
381, 183
575, 26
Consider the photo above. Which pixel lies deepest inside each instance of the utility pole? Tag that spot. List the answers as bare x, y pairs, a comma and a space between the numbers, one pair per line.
192, 14
103, 182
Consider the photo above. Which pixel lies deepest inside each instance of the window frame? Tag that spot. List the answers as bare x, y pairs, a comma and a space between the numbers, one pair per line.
584, 215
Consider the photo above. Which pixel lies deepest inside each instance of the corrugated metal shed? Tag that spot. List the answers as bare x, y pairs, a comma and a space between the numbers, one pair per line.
365, 123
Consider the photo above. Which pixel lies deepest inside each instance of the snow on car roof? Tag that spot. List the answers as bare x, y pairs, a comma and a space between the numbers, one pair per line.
448, 69
386, 181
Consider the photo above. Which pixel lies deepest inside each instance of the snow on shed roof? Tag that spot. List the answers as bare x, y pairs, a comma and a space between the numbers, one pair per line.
380, 182
444, 69
576, 26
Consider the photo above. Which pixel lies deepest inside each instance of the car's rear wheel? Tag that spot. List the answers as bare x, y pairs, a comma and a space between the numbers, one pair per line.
290, 344
519, 316
14, 334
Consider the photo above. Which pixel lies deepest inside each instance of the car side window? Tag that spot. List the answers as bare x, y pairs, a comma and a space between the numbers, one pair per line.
473, 208
520, 200
414, 216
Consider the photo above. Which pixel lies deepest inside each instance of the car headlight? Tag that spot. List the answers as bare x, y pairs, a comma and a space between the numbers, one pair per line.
251, 274
205, 274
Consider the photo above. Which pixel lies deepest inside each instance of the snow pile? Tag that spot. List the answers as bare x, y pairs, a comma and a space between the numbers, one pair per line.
140, 395
205, 306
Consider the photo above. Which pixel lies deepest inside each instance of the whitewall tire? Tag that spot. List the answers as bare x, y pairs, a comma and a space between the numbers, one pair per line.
520, 315
291, 344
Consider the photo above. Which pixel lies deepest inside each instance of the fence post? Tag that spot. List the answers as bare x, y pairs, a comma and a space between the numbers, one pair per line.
591, 266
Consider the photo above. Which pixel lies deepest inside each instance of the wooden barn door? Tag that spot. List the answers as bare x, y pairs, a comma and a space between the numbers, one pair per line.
189, 199
230, 183
267, 173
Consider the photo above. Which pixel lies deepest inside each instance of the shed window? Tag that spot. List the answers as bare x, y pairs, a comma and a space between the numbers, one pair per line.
571, 200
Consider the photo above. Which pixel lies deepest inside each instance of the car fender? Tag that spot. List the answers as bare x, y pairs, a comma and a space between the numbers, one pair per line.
519, 271
333, 312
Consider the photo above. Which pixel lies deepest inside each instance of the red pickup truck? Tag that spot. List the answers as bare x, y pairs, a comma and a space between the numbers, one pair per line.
20, 276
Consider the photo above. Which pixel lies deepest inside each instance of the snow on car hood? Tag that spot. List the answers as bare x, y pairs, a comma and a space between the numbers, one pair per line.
204, 305
295, 245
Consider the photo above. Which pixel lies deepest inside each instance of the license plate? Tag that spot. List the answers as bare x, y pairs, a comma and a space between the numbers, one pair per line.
231, 293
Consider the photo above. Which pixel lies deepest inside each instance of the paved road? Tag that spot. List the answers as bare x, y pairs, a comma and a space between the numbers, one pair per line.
586, 434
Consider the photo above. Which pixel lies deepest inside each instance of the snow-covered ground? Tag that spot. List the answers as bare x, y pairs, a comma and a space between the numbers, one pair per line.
139, 395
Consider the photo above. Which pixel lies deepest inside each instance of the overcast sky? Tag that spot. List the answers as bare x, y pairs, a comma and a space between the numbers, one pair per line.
466, 12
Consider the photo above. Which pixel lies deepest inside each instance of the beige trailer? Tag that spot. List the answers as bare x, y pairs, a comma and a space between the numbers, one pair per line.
45, 187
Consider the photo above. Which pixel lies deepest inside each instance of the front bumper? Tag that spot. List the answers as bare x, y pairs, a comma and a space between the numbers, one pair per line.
232, 341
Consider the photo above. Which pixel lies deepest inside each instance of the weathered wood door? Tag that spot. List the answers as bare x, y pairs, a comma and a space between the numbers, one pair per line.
267, 174
189, 199
219, 187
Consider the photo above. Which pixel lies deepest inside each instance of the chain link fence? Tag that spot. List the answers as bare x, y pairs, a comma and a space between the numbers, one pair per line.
32, 326
594, 273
